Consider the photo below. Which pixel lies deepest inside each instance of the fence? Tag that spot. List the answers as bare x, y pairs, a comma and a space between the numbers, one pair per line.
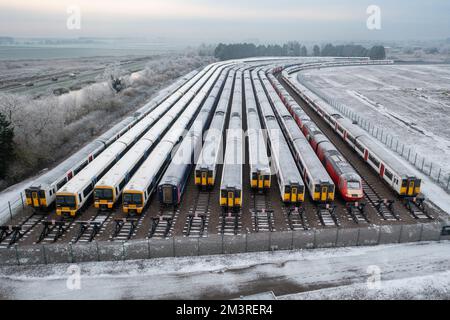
429, 168
10, 208
218, 244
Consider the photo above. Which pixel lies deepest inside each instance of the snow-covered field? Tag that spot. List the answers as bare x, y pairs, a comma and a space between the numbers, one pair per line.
411, 102
419, 269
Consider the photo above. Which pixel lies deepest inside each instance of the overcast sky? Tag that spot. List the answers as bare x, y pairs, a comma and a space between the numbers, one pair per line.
228, 20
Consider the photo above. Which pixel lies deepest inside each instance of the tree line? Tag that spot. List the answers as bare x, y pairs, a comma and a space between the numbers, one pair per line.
295, 49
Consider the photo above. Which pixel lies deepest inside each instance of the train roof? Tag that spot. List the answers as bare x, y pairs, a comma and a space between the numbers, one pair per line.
77, 183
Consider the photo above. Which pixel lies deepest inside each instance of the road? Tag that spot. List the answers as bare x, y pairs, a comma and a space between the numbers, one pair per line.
229, 276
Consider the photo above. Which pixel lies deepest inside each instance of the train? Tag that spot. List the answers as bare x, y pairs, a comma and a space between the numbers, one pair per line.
211, 154
173, 183
290, 182
399, 178
260, 174
41, 194
74, 195
317, 180
231, 192
144, 182
346, 179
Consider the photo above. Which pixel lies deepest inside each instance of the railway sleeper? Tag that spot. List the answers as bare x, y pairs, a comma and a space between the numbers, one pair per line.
263, 220
53, 230
327, 215
85, 226
193, 221
120, 223
385, 208
296, 218
159, 229
416, 207
357, 212
229, 220
12, 232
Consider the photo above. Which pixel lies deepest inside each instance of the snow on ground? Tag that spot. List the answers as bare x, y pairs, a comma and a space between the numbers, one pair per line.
436, 286
232, 276
410, 102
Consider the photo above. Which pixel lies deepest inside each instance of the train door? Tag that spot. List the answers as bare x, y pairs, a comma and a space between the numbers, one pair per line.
35, 199
382, 170
294, 195
167, 194
204, 178
260, 181
410, 191
230, 199
366, 155
324, 194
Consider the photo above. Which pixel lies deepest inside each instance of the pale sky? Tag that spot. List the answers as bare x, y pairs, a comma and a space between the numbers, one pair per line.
228, 20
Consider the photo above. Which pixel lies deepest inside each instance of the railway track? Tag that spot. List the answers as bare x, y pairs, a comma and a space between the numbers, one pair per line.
262, 213
230, 223
383, 206
162, 225
88, 230
12, 234
54, 229
196, 225
417, 208
295, 218
357, 213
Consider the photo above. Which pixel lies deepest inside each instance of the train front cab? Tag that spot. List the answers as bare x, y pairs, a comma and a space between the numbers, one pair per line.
410, 187
204, 178
133, 202
36, 198
260, 181
231, 199
66, 204
324, 192
104, 198
169, 194
294, 194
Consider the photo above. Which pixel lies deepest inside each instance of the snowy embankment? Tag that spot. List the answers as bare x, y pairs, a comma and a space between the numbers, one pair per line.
232, 276
388, 97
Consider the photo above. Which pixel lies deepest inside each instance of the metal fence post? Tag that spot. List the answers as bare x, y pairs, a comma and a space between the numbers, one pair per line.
409, 153
423, 162
415, 159
71, 252
400, 234
292, 238
98, 251
44, 254
448, 181
148, 249
421, 232
17, 255
439, 175
431, 168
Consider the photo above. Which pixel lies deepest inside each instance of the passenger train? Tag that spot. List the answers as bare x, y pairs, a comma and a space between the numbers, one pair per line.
383, 161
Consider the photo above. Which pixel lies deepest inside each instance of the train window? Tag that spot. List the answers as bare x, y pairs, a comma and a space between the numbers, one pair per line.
87, 190
359, 146
61, 183
374, 160
388, 174
210, 174
340, 129
51, 192
79, 197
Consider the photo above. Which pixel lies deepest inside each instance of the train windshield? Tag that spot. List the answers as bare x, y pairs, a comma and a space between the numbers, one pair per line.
66, 201
105, 194
132, 198
354, 185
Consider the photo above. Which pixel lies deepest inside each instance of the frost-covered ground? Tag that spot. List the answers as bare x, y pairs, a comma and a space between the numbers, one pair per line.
419, 268
412, 102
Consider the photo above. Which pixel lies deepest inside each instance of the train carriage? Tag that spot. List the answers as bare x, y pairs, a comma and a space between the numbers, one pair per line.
231, 185
290, 183
260, 174
173, 183
211, 153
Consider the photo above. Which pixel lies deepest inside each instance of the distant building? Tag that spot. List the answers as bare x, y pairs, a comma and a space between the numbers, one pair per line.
6, 40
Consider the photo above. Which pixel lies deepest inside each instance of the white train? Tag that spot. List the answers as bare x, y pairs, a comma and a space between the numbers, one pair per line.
74, 195
260, 174
319, 183
292, 188
211, 154
382, 160
139, 189
231, 184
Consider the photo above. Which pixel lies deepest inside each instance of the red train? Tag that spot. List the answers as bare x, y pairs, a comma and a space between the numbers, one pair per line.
348, 182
